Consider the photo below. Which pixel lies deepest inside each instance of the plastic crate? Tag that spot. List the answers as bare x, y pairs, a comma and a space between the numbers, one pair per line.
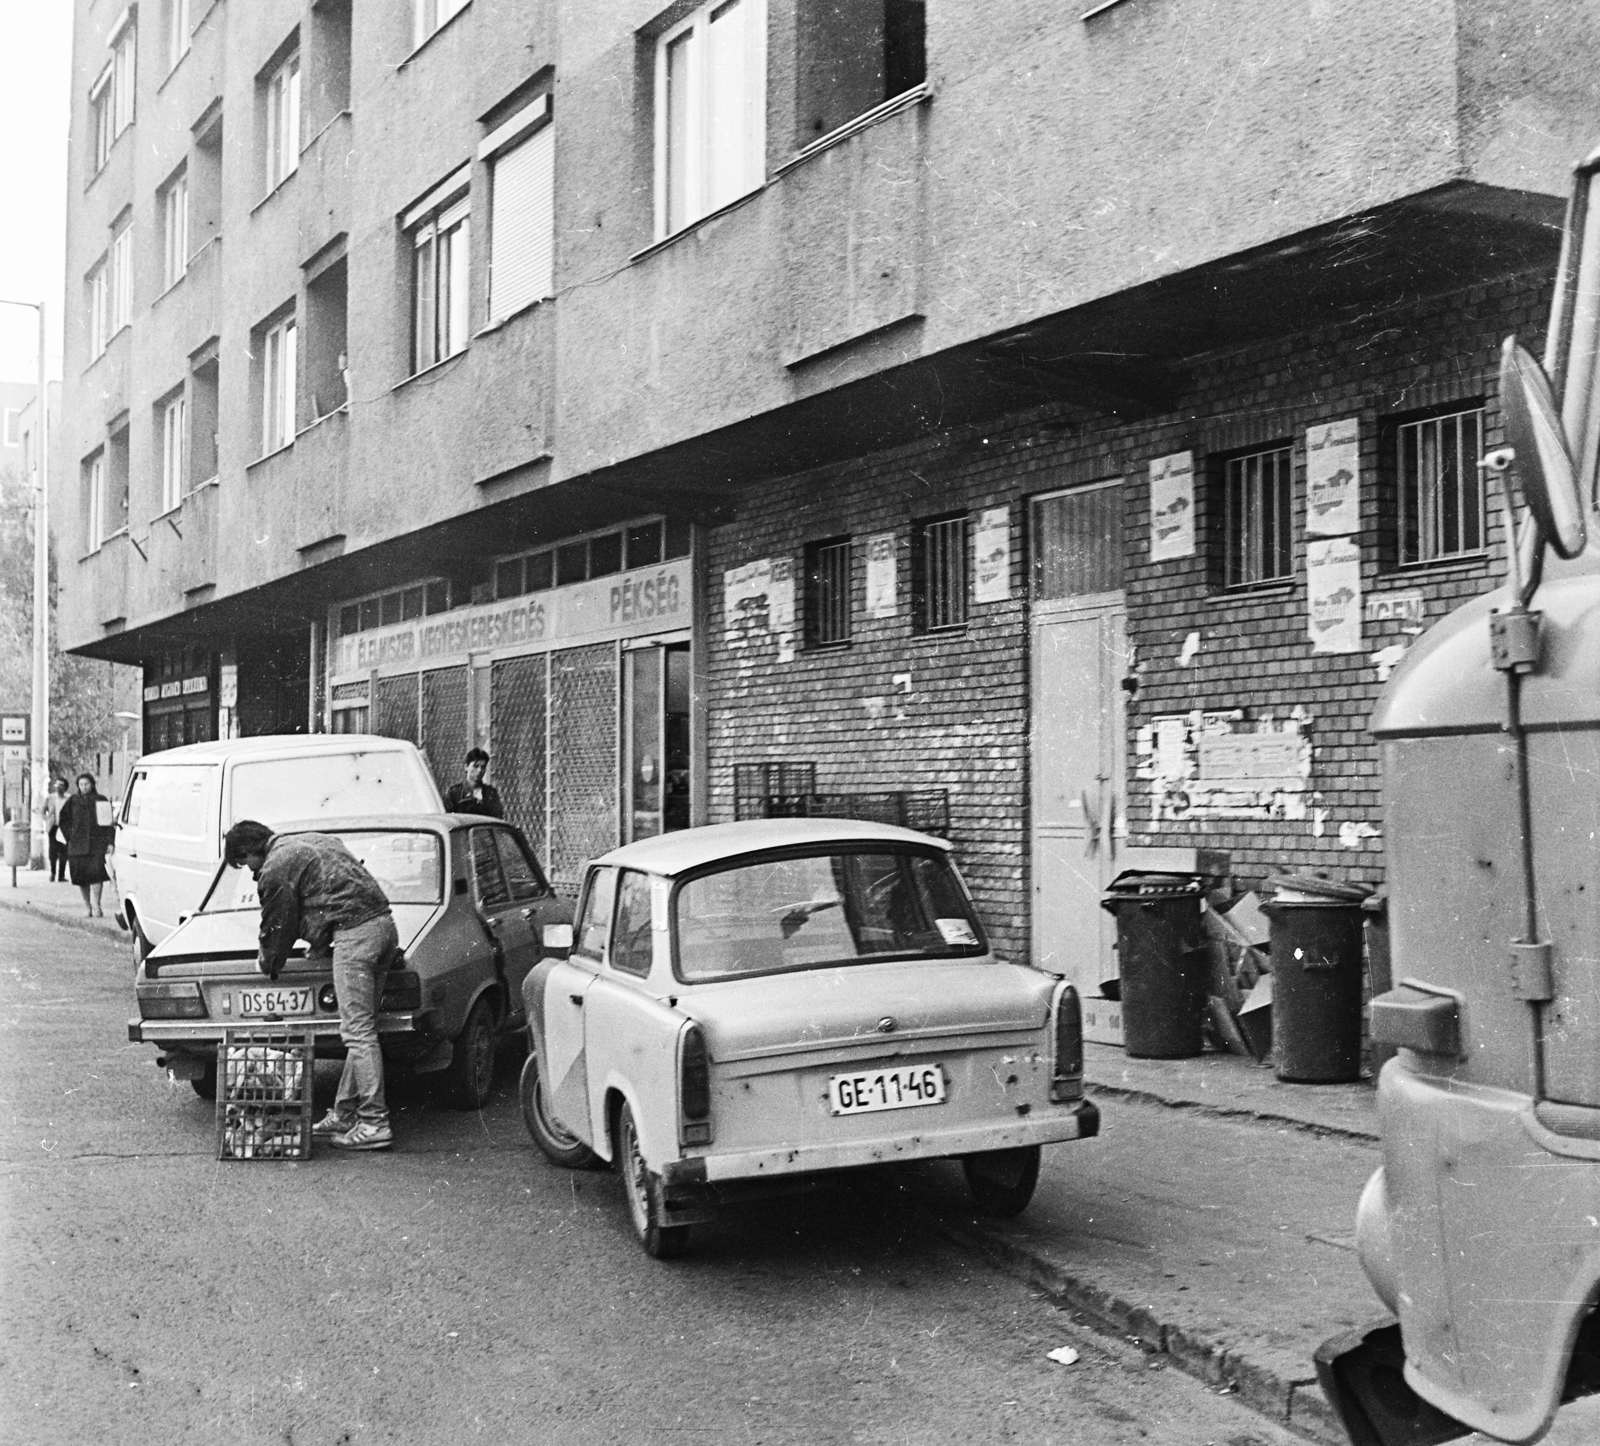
264, 1094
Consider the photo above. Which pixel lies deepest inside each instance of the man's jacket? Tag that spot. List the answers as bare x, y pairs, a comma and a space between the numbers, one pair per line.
310, 887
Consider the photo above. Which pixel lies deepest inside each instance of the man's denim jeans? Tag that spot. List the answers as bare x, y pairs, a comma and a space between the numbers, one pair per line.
361, 958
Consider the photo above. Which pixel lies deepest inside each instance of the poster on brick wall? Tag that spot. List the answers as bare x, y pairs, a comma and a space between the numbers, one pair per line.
758, 603
1333, 595
881, 600
1333, 478
991, 556
1172, 506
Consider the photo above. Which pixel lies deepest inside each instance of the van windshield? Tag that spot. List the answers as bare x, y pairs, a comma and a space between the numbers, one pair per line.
823, 909
408, 865
274, 790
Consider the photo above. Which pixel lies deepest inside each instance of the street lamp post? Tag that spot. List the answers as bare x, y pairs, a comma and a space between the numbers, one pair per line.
41, 598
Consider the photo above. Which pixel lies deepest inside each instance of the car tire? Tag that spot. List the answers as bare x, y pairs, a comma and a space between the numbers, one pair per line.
141, 945
643, 1191
1002, 1182
471, 1076
205, 1085
559, 1144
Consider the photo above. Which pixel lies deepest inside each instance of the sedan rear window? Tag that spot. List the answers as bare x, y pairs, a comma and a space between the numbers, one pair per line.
408, 865
822, 909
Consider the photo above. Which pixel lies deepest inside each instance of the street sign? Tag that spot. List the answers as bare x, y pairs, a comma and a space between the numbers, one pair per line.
14, 728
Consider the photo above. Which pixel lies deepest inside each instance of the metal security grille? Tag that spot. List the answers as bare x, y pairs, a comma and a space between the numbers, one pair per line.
583, 757
444, 722
1441, 488
1258, 509
349, 692
827, 593
517, 693
1077, 542
394, 711
939, 573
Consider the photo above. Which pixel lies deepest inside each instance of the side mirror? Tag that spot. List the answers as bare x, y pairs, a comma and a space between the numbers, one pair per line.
557, 936
1544, 462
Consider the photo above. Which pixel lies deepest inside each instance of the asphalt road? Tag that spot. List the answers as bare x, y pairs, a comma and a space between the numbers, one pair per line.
460, 1288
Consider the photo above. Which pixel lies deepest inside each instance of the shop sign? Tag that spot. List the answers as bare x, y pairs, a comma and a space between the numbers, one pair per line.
1333, 595
647, 600
1333, 478
152, 693
881, 595
1172, 506
991, 556
1395, 607
172, 690
195, 685
228, 685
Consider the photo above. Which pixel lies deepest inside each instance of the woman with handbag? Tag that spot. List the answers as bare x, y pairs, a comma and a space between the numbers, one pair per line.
87, 826
50, 815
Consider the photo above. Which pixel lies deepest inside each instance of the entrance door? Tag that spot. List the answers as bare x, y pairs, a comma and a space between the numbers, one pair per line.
656, 782
1079, 658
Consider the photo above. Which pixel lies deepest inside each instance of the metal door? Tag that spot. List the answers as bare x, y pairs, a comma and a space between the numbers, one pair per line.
1079, 658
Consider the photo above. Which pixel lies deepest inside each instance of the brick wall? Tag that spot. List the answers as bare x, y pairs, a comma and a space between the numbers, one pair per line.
958, 718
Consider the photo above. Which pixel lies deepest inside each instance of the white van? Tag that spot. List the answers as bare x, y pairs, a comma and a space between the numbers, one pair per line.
180, 802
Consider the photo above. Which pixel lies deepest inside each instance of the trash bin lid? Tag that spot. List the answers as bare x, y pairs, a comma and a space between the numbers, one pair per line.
1136, 884
1313, 889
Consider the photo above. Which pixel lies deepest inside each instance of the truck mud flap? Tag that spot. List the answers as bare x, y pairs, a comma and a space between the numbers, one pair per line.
1361, 1373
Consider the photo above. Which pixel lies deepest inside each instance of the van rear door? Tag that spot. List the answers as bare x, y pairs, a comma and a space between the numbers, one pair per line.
168, 842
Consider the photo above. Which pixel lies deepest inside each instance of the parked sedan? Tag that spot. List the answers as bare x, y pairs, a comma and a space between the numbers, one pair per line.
752, 1004
474, 915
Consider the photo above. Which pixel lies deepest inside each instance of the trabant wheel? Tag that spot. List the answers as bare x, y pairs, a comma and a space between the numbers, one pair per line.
559, 1144
472, 1066
1002, 1181
205, 1085
644, 1193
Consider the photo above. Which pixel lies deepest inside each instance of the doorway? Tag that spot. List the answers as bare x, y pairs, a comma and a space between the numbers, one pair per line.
656, 746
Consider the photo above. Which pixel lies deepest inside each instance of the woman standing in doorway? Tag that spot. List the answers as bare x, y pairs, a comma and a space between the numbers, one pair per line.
89, 840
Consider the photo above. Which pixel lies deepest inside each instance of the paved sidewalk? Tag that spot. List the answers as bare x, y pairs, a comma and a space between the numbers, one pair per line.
62, 902
1212, 1221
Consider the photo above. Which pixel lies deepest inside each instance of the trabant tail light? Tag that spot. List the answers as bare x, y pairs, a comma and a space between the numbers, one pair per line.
402, 991
694, 1088
1066, 1017
179, 999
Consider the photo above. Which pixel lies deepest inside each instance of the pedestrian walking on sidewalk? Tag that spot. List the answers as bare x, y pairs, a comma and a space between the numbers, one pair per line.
49, 811
474, 795
313, 888
86, 824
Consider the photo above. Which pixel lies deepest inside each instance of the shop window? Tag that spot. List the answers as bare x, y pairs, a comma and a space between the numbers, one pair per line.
539, 572
827, 622
605, 554
349, 620
572, 563
679, 536
438, 598
710, 104
939, 572
643, 543
851, 56
508, 579
1440, 506
1258, 517
389, 609
411, 603
369, 614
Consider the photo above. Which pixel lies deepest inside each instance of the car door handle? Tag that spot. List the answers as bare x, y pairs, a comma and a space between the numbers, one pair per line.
576, 999
527, 913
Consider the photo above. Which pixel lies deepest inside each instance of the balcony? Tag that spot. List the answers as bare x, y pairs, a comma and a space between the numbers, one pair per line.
321, 478
322, 186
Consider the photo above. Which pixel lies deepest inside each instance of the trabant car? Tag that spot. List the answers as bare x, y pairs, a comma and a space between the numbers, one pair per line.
474, 915
749, 1005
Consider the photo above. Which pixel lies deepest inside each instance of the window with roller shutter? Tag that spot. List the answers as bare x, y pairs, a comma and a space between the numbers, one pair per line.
521, 157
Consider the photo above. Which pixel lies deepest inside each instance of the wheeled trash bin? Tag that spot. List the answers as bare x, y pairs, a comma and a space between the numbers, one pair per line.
1316, 977
1165, 962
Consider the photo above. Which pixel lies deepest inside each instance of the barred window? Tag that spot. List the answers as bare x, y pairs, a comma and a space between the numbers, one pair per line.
1257, 517
1441, 501
828, 593
939, 573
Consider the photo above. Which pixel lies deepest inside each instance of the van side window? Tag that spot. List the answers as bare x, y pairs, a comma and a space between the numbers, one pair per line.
134, 800
594, 922
174, 800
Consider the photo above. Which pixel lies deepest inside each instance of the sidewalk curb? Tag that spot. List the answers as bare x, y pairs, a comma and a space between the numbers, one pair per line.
1232, 1112
1296, 1404
96, 927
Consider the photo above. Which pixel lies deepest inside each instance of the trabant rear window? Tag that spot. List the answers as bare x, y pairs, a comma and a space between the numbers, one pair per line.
813, 910
408, 865
377, 781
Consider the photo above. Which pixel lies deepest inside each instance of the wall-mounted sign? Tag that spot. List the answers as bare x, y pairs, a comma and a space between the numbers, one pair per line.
152, 692
1333, 478
1172, 506
1333, 595
14, 728
1395, 607
991, 556
228, 685
881, 595
758, 602
629, 604
172, 690
1204, 765
196, 685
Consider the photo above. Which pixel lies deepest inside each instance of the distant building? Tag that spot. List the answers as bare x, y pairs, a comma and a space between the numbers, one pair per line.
1074, 409
15, 397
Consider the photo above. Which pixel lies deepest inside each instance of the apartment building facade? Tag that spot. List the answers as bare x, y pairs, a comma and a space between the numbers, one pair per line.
1072, 410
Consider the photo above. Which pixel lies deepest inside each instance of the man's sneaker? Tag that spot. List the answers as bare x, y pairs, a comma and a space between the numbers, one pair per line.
331, 1124
364, 1135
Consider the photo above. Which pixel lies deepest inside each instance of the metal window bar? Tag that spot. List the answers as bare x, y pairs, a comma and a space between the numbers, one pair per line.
1258, 508
945, 572
830, 593
1441, 503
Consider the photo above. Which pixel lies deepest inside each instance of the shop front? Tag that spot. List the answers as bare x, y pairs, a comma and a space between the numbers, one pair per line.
581, 693
180, 699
